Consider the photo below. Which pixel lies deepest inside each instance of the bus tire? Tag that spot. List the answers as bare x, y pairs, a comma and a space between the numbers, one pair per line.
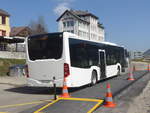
93, 78
119, 71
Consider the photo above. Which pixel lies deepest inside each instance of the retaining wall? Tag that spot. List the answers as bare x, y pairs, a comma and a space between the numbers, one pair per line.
12, 55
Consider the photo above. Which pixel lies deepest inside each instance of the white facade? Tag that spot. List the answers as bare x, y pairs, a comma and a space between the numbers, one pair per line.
85, 26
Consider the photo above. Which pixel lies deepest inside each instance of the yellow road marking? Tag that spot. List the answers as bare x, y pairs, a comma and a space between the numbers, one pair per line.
22, 104
82, 99
91, 110
39, 110
77, 99
3, 112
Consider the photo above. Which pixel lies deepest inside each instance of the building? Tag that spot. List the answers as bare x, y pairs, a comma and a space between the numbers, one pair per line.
10, 47
13, 42
147, 55
23, 31
4, 23
137, 55
19, 33
82, 23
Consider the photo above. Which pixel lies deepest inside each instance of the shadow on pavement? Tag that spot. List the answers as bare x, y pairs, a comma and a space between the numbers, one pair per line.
41, 90
46, 90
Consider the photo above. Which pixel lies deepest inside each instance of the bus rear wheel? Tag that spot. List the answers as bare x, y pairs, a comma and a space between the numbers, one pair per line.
93, 78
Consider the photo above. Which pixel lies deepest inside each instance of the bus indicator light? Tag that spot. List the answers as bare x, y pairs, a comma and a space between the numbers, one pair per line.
66, 70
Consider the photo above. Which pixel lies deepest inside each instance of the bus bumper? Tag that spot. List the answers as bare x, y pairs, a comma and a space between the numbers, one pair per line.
44, 83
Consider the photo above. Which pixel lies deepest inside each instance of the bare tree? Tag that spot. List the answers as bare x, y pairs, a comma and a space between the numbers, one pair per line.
39, 26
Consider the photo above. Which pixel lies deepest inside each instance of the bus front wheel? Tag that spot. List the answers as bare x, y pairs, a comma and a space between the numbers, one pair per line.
119, 71
93, 78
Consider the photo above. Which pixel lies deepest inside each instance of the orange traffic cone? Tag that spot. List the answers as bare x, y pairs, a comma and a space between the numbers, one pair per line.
65, 93
130, 76
109, 101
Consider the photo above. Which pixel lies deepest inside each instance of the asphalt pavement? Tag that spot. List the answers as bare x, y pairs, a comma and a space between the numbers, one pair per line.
118, 84
29, 99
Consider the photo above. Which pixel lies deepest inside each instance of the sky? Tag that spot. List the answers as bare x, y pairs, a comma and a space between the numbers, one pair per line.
126, 22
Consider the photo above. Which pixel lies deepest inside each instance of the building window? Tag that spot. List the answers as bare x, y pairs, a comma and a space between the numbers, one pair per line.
72, 31
69, 23
79, 24
72, 23
64, 24
79, 33
3, 33
3, 20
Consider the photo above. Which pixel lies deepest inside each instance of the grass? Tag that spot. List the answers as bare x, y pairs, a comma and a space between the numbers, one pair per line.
6, 63
141, 60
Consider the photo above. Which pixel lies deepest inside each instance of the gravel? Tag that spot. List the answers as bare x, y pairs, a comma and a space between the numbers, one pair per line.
141, 104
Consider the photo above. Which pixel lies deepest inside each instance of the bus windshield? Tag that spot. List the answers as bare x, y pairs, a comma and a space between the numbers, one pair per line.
47, 46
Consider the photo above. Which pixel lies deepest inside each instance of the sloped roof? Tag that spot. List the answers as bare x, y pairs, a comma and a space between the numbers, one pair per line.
16, 30
73, 14
2, 12
83, 13
78, 14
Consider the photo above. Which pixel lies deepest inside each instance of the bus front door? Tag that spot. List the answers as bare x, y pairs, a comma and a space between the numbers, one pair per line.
102, 64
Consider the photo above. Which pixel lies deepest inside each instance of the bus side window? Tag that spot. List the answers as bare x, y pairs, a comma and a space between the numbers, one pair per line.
108, 59
93, 55
79, 57
90, 62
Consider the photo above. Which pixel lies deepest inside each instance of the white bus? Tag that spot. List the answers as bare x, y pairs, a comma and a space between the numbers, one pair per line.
64, 54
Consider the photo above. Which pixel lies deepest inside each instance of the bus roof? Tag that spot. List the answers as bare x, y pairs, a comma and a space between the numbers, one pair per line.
109, 43
74, 36
103, 42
